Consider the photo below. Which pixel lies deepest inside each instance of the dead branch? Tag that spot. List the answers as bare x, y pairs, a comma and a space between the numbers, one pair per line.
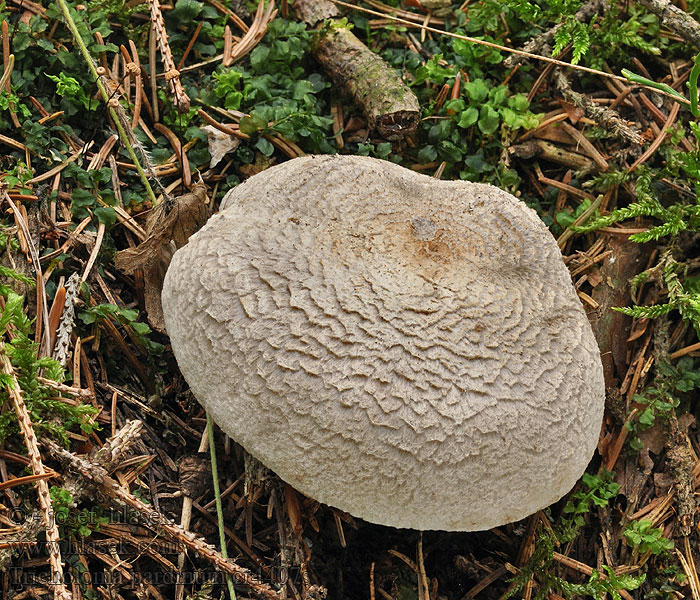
675, 18
99, 477
552, 153
388, 103
60, 592
605, 117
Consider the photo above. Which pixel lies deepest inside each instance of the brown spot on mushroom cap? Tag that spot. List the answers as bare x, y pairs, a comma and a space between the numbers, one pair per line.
408, 350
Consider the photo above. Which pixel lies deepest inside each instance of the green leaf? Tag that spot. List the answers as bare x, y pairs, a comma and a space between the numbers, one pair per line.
449, 151
233, 100
477, 163
468, 117
519, 102
511, 118
488, 119
427, 154
128, 314
141, 328
636, 444
433, 72
65, 85
301, 89
646, 418
477, 90
364, 149
186, 10
498, 95
264, 146
259, 55
106, 215
247, 126
455, 106
382, 150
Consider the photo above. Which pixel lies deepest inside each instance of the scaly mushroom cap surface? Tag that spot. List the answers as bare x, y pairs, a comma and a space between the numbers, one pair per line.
405, 349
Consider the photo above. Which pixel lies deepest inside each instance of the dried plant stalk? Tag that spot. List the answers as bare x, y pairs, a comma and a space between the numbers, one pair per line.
65, 325
607, 118
107, 456
139, 85
25, 424
172, 75
99, 476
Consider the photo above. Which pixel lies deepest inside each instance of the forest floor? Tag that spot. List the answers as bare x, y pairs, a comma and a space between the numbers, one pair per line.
103, 142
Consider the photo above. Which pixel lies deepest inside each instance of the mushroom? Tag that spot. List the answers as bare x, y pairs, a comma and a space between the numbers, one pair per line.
408, 350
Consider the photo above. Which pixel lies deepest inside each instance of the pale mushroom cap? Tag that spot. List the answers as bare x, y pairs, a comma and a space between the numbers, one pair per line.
405, 349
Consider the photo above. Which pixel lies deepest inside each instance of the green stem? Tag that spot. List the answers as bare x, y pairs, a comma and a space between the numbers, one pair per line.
693, 87
105, 96
667, 89
217, 497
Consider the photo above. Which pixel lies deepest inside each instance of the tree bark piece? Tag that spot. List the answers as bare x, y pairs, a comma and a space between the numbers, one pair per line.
313, 12
612, 328
675, 18
389, 105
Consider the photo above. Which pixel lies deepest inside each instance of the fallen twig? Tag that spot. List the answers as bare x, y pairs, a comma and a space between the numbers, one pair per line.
172, 75
605, 117
98, 476
60, 592
388, 103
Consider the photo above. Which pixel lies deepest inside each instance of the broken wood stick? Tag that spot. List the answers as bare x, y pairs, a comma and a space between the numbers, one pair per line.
388, 103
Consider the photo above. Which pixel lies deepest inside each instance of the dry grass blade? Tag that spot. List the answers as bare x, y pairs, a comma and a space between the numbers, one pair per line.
580, 220
138, 94
12, 143
423, 588
659, 138
45, 348
4, 32
263, 17
230, 14
688, 563
586, 145
227, 59
59, 301
152, 47
8, 65
187, 51
95, 251
410, 16
58, 168
179, 153
8, 61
